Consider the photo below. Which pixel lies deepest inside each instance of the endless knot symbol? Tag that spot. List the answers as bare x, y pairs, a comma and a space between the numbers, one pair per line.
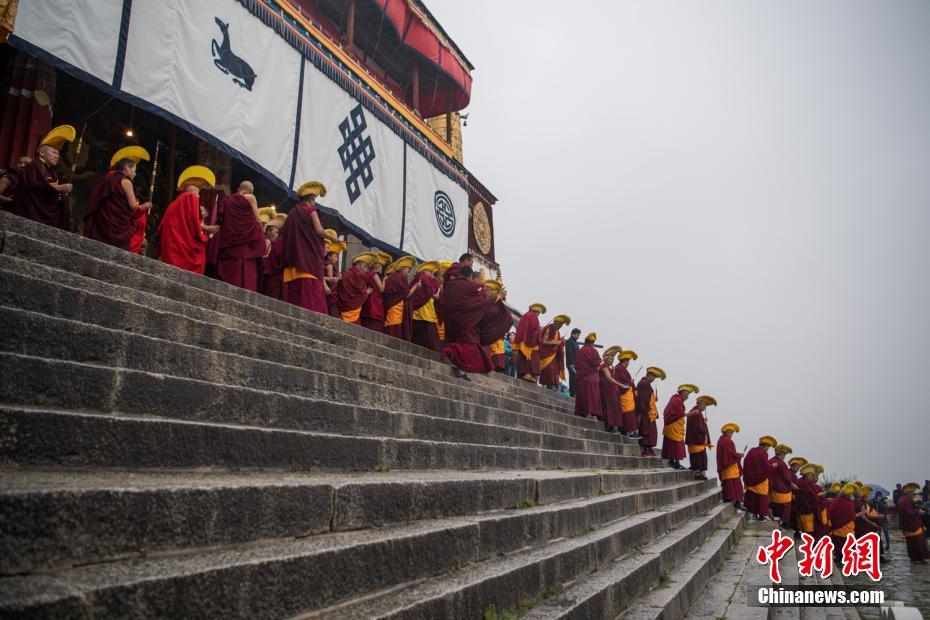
356, 152
445, 213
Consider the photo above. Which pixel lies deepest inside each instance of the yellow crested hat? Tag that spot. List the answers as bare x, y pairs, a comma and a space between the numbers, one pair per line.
366, 258
312, 188
134, 153
383, 258
628, 354
707, 400
278, 220
492, 286
810, 468
910, 487
688, 387
865, 491
613, 350
444, 264
57, 137
836, 487
540, 308
768, 440
655, 371
334, 247
429, 265
400, 263
267, 213
198, 176
592, 337
564, 319
800, 461
783, 449
730, 426
849, 489
820, 468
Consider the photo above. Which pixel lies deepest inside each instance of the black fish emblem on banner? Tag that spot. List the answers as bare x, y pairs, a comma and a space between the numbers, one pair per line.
230, 64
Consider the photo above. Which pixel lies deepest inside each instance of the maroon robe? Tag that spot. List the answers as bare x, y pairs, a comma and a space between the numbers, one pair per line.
35, 199
353, 291
673, 449
647, 428
138, 237
493, 326
396, 289
423, 333
13, 179
780, 481
807, 503
373, 308
696, 434
109, 218
464, 305
628, 421
303, 249
841, 512
732, 488
756, 470
911, 523
272, 270
528, 334
587, 391
332, 297
181, 240
610, 397
865, 527
552, 373
242, 243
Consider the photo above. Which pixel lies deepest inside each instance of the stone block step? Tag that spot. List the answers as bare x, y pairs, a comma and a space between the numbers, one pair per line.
60, 518
99, 388
389, 389
45, 437
281, 578
510, 582
54, 248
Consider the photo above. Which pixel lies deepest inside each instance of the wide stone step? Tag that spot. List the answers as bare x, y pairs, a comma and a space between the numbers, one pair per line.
278, 579
101, 388
59, 518
55, 248
46, 437
305, 372
510, 582
683, 580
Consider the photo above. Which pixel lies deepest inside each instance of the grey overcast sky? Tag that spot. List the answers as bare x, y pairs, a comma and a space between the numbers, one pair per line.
738, 190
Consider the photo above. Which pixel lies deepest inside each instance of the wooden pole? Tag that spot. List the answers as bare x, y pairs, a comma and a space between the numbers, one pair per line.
350, 24
449, 93
415, 86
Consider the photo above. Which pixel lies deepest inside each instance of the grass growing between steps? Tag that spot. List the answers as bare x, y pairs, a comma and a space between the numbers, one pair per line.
512, 613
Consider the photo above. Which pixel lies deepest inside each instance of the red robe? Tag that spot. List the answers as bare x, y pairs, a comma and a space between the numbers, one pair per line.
806, 503
864, 527
756, 470
673, 449
587, 390
526, 345
610, 397
373, 308
181, 240
552, 373
423, 333
628, 421
842, 514
303, 250
242, 243
272, 270
138, 238
913, 528
35, 199
780, 481
353, 291
464, 305
647, 426
697, 435
109, 218
727, 457
396, 288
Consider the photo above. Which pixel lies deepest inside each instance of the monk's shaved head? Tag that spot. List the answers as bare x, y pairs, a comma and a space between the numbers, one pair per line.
193, 189
49, 153
246, 187
23, 161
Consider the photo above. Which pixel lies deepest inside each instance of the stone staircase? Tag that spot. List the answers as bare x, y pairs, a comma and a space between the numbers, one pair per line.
174, 447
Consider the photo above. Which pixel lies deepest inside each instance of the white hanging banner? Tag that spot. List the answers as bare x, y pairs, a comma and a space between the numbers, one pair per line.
218, 67
357, 157
436, 214
83, 34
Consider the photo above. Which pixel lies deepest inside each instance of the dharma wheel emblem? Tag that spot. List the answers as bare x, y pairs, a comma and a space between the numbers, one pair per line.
481, 227
445, 213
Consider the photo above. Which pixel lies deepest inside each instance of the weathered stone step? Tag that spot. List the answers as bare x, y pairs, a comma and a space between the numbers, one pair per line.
100, 388
682, 579
277, 579
55, 248
509, 581
45, 437
63, 517
60, 293
299, 372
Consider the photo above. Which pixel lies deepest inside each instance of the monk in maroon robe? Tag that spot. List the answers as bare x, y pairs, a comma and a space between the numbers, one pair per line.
697, 437
39, 196
331, 279
137, 243
9, 181
422, 305
587, 367
273, 269
756, 474
909, 518
842, 515
353, 289
398, 320
552, 353
868, 519
781, 486
610, 391
112, 209
728, 466
647, 411
373, 308
182, 235
629, 424
526, 344
673, 428
465, 304
302, 250
242, 242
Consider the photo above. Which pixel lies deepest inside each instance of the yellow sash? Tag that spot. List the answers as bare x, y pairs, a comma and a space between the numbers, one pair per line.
849, 528
824, 518
524, 349
628, 401
351, 316
394, 315
653, 412
806, 522
497, 348
696, 449
779, 498
292, 273
675, 431
426, 312
441, 328
918, 532
762, 488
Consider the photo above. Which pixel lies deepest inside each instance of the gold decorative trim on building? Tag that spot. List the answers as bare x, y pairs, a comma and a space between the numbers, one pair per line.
481, 227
